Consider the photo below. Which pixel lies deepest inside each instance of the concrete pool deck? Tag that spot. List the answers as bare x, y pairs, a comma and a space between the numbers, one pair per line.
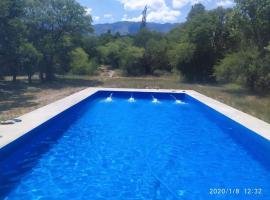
9, 133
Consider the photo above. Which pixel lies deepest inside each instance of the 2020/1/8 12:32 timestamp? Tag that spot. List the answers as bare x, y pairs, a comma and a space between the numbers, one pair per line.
235, 191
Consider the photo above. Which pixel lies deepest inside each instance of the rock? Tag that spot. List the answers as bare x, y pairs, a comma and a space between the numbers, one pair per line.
7, 122
17, 120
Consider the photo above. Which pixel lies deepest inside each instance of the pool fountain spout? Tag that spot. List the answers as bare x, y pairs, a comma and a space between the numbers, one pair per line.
155, 100
131, 99
109, 98
176, 100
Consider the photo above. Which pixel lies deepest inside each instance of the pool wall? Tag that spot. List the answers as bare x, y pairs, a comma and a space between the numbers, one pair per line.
254, 143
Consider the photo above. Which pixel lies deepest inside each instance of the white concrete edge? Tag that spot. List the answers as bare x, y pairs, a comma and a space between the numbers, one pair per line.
254, 124
9, 133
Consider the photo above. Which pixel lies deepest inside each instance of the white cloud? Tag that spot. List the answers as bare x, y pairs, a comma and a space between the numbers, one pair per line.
88, 11
132, 19
158, 10
226, 3
140, 4
108, 16
164, 16
182, 3
96, 18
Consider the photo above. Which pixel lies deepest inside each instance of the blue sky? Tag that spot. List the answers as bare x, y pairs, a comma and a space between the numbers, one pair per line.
161, 11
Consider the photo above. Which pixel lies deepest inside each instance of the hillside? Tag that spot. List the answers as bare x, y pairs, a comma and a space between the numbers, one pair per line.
125, 28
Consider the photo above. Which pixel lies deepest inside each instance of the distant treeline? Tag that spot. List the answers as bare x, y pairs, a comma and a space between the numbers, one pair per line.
55, 36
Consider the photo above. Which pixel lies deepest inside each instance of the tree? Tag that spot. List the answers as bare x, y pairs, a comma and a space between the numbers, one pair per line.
197, 9
181, 56
30, 59
246, 67
144, 35
206, 38
131, 61
110, 54
50, 21
253, 19
155, 56
198, 32
249, 64
12, 34
80, 63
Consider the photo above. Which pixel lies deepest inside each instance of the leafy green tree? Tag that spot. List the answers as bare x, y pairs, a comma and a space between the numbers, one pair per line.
224, 38
12, 34
110, 54
199, 32
90, 44
249, 64
181, 55
131, 61
50, 21
105, 38
144, 35
155, 56
246, 67
80, 63
30, 59
202, 41
196, 10
253, 19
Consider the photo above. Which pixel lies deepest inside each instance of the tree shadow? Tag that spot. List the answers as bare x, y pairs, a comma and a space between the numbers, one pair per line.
242, 92
23, 95
61, 83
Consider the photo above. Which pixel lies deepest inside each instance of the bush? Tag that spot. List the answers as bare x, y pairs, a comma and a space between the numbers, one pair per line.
80, 63
180, 57
247, 67
229, 69
110, 54
131, 61
156, 56
30, 58
263, 81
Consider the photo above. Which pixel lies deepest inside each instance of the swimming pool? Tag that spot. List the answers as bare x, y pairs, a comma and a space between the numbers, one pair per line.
137, 145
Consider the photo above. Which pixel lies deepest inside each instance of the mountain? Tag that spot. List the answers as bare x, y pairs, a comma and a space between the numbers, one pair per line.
125, 28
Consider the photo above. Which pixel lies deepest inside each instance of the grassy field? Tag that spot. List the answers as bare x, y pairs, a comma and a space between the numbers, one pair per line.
20, 98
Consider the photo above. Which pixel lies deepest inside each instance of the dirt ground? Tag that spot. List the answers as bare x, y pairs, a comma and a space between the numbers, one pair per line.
19, 98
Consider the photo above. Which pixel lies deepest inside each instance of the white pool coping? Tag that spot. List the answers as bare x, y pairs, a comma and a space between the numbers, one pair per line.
31, 120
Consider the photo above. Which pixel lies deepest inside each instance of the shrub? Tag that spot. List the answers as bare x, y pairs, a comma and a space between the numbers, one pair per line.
247, 67
263, 81
80, 63
228, 69
131, 61
30, 58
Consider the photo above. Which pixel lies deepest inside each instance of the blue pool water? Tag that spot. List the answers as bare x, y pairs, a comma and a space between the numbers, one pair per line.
137, 150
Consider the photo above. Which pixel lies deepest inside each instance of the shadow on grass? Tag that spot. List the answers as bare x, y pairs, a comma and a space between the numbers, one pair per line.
243, 92
22, 95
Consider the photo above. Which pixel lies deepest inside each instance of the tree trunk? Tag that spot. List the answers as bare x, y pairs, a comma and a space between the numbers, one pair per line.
49, 68
13, 68
49, 73
41, 76
30, 78
14, 77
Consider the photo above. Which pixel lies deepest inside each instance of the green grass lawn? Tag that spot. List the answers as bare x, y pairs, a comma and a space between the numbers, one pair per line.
20, 98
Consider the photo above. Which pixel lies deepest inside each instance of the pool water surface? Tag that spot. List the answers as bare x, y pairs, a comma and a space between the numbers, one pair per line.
137, 150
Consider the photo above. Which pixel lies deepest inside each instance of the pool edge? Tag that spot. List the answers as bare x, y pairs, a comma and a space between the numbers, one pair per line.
254, 124
32, 120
